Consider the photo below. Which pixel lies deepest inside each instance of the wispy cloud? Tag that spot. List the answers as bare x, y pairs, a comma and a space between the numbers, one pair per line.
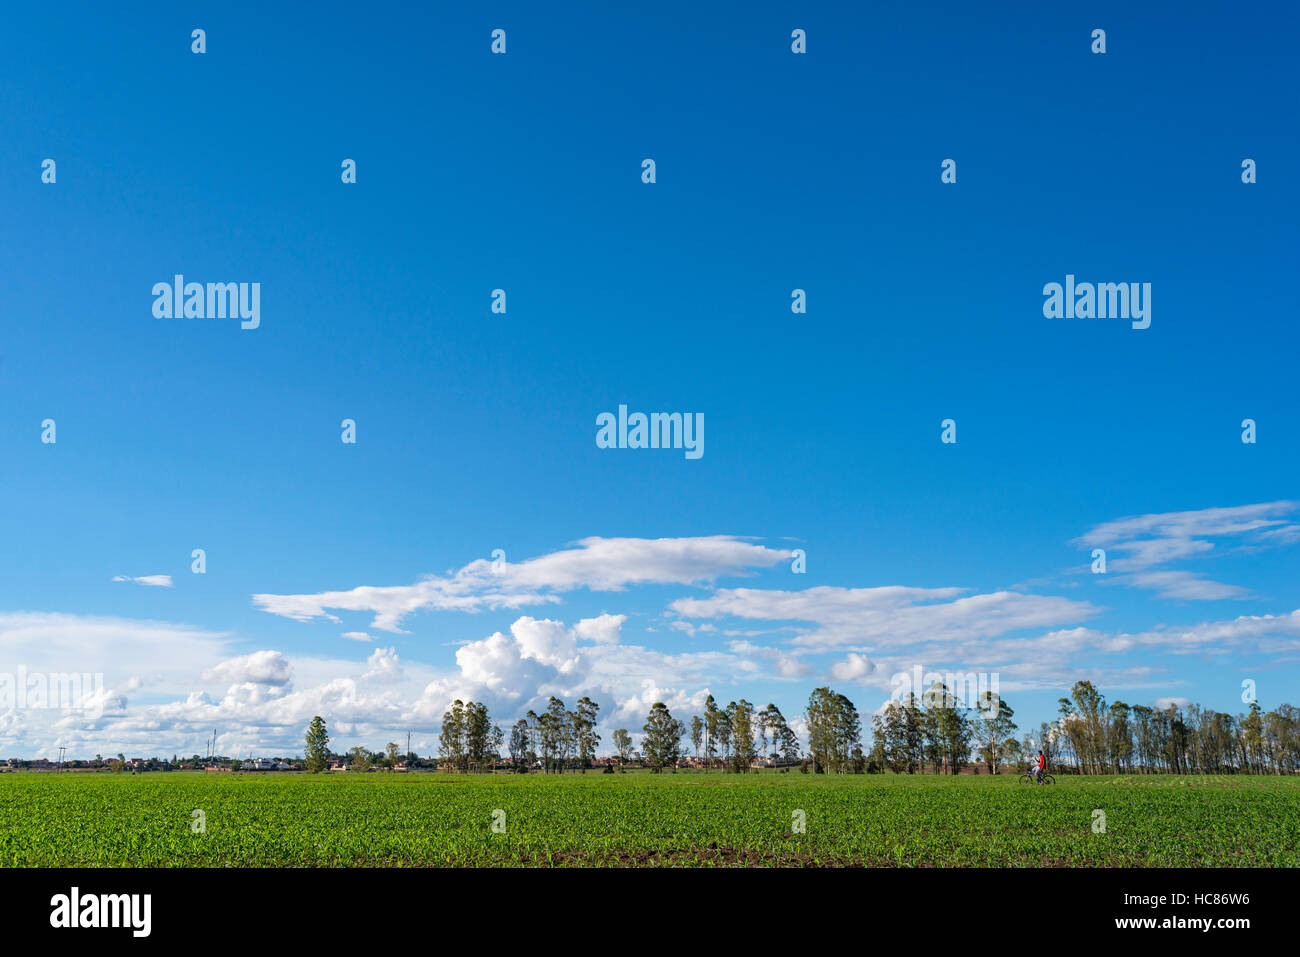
886, 616
597, 564
1143, 543
156, 581
1186, 585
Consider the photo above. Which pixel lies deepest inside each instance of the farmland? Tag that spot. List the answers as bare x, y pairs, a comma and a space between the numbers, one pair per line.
685, 819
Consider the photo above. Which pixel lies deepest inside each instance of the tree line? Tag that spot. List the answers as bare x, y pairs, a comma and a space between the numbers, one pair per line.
1089, 736
934, 731
1098, 738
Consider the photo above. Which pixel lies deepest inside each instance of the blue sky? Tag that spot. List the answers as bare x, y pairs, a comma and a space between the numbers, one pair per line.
476, 431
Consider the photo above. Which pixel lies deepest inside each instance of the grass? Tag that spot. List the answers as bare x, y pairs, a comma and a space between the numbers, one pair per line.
693, 818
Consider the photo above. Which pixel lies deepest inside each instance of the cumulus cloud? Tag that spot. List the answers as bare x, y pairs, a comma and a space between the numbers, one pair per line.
604, 629
269, 697
852, 668
167, 686
680, 702
383, 664
259, 668
520, 670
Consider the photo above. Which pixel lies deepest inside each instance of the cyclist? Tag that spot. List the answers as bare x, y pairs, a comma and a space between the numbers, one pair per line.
1042, 766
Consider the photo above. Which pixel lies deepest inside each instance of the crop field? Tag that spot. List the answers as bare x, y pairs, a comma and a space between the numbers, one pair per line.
684, 819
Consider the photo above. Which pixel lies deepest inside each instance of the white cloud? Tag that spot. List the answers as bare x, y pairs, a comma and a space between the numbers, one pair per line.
156, 581
851, 668
259, 668
1186, 585
681, 703
598, 564
262, 711
784, 664
886, 616
1285, 535
1280, 632
1176, 527
383, 664
167, 686
603, 630
518, 671
547, 641
118, 647
1144, 542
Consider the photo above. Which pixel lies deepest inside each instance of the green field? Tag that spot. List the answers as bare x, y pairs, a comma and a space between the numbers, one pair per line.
686, 819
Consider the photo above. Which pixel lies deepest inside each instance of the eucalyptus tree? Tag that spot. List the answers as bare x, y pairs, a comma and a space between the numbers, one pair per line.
712, 717
452, 740
740, 719
519, 745
623, 744
663, 736
993, 728
584, 730
317, 751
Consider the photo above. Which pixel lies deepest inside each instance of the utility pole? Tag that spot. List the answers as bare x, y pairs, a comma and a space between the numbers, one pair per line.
62, 749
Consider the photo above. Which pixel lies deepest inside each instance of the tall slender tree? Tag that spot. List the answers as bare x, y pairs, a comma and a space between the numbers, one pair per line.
993, 728
519, 745
623, 745
318, 742
740, 718
452, 740
584, 729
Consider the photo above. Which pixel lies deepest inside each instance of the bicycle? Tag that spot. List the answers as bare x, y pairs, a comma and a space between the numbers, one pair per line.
1028, 778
